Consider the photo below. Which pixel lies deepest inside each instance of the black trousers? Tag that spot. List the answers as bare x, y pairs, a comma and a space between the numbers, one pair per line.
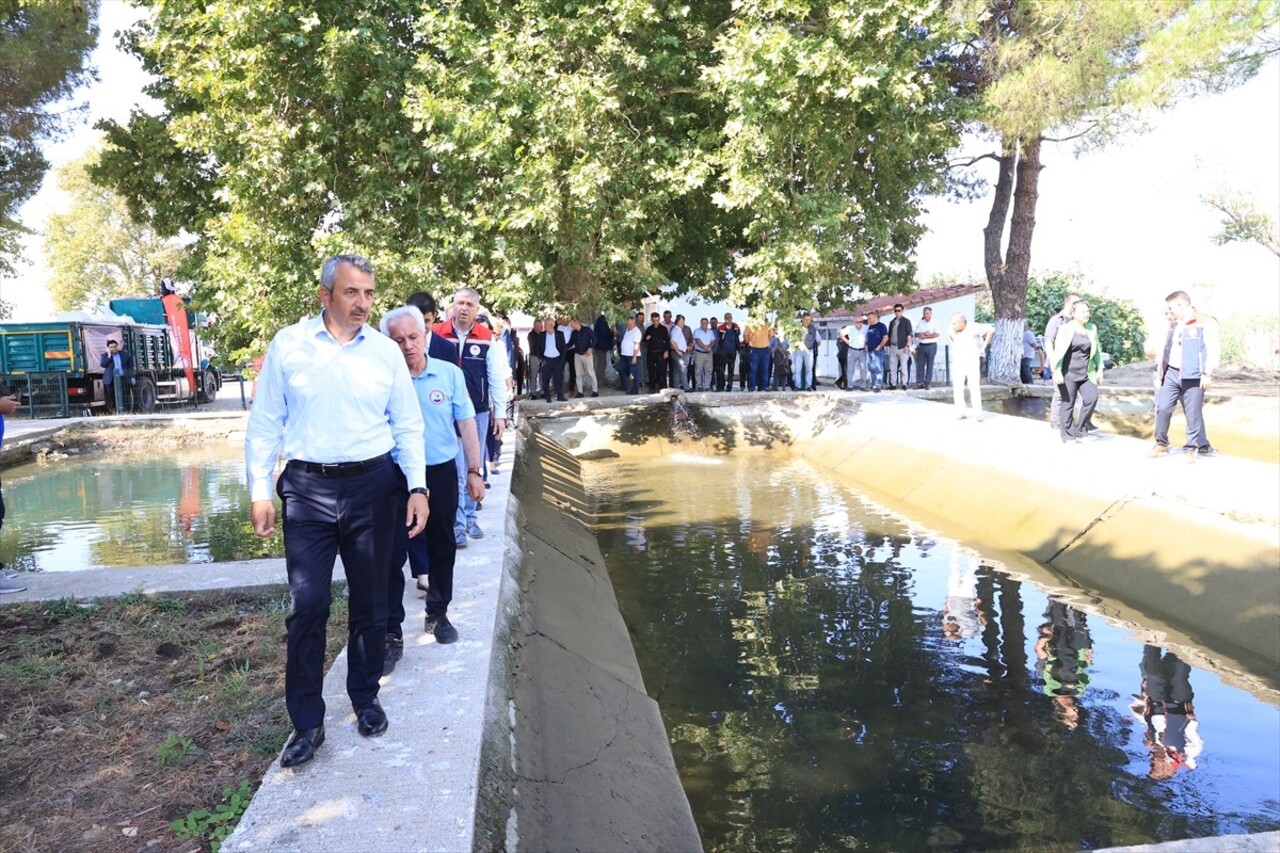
722, 366
656, 368
356, 517
1087, 393
925, 354
553, 374
433, 552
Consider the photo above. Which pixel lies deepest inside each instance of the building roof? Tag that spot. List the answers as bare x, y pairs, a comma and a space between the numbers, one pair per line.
920, 298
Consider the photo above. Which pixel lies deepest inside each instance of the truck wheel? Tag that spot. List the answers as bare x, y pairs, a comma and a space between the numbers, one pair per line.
208, 386
145, 395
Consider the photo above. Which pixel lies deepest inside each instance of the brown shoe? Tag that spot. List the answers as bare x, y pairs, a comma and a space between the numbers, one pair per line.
1159, 450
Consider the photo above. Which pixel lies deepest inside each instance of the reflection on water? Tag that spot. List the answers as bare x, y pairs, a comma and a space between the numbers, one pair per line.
185, 507
833, 678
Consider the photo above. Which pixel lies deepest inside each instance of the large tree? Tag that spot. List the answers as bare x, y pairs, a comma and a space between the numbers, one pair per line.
1043, 71
549, 153
96, 250
44, 49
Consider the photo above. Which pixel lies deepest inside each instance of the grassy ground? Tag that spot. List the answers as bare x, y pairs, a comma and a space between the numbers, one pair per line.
123, 716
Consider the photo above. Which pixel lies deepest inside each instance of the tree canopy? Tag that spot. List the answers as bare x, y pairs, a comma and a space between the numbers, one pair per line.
44, 49
550, 154
96, 250
1082, 70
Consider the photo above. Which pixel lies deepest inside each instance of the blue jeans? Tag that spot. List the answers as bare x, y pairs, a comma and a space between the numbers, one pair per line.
466, 506
758, 378
629, 375
875, 361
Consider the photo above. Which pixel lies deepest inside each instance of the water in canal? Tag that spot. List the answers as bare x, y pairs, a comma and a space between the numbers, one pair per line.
78, 513
833, 677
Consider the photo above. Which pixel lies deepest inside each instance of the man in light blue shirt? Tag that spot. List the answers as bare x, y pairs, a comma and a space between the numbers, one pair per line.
335, 395
447, 414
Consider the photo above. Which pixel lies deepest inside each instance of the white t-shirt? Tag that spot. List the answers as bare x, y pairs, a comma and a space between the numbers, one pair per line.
857, 336
971, 340
630, 342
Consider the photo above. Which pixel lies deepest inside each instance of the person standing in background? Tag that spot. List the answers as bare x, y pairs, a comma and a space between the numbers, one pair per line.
8, 582
926, 335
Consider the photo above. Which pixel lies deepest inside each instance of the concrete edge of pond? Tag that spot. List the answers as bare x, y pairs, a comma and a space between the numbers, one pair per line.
1261, 842
149, 580
592, 767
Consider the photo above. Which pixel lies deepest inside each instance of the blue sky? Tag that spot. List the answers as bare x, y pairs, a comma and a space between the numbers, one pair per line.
1128, 216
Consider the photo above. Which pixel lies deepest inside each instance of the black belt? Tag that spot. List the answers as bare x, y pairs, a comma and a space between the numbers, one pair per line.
858, 349
338, 469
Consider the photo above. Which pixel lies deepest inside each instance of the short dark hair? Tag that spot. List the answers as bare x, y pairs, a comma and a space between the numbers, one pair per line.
329, 270
1178, 294
113, 342
654, 314
423, 301
897, 305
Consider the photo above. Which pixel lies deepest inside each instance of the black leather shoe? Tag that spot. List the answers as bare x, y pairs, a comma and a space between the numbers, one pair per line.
440, 627
302, 746
371, 720
392, 653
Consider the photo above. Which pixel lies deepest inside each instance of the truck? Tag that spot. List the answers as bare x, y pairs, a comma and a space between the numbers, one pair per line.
57, 364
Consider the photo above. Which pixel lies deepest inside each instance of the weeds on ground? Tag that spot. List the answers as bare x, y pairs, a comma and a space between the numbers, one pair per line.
133, 715
215, 826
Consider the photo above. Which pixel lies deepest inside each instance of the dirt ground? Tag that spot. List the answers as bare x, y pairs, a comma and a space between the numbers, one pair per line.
123, 716
1230, 379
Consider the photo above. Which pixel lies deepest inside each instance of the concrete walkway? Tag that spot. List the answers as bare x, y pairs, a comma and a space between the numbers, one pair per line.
415, 787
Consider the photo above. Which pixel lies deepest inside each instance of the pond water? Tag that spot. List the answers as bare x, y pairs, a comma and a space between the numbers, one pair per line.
833, 677
96, 512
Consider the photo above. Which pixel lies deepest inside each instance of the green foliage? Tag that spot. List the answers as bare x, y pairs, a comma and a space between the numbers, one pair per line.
96, 250
552, 155
44, 47
215, 826
1121, 329
1242, 220
174, 748
67, 608
1086, 71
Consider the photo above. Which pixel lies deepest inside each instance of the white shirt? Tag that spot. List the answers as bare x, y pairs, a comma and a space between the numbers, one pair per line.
857, 336
971, 340
923, 327
630, 342
678, 343
706, 337
549, 346
329, 402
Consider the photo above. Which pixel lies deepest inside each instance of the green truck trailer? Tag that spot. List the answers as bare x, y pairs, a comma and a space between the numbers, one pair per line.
55, 367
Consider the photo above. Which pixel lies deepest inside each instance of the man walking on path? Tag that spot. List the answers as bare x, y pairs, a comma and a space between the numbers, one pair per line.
484, 364
1186, 368
336, 396
448, 419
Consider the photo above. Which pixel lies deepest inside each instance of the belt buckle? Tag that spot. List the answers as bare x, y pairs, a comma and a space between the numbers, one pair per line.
328, 469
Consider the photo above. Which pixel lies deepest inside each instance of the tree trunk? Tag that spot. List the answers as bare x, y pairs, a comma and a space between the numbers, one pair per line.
1019, 174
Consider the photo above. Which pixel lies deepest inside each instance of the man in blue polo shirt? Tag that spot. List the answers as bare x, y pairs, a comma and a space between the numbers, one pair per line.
877, 339
447, 414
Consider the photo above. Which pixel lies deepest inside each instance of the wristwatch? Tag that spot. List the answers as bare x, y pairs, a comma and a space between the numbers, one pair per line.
426, 493
475, 471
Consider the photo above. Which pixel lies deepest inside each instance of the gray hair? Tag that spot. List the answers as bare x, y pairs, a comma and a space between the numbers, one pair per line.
400, 313
329, 272
470, 291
